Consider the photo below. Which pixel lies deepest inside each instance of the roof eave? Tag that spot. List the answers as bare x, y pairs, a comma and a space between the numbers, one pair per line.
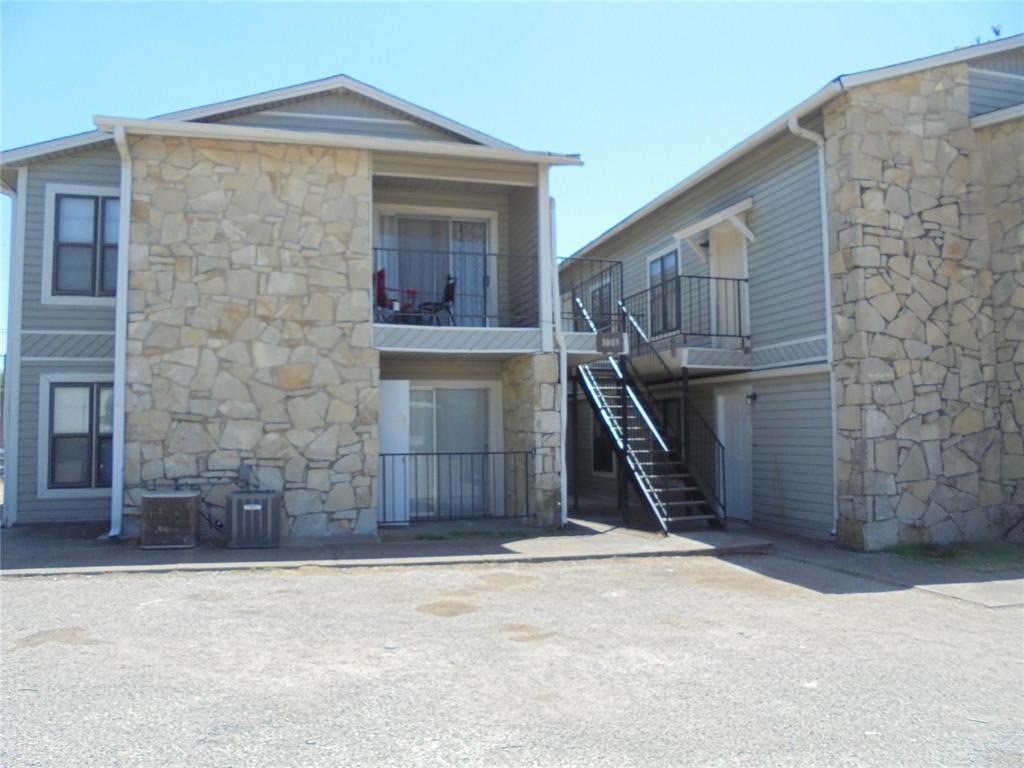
281, 136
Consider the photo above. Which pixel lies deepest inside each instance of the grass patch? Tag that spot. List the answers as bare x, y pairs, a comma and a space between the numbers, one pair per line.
974, 557
461, 535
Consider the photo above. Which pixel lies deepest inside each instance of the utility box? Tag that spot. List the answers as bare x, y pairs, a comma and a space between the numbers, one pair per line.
169, 520
253, 519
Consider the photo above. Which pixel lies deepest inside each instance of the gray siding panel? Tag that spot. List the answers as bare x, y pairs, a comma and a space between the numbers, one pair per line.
522, 266
1011, 62
786, 263
97, 166
413, 368
433, 167
792, 455
68, 345
341, 112
32, 509
992, 91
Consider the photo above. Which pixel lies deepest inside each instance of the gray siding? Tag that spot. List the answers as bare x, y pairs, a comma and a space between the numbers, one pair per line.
1011, 62
434, 167
580, 451
792, 455
32, 509
68, 345
98, 166
523, 245
990, 91
341, 112
785, 264
413, 368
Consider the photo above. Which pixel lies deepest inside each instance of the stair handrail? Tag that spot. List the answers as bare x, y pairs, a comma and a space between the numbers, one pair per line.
714, 490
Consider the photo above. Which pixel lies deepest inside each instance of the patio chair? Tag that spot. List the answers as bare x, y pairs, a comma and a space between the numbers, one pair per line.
433, 309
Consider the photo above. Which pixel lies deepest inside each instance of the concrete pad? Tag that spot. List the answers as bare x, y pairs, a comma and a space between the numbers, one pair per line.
25, 554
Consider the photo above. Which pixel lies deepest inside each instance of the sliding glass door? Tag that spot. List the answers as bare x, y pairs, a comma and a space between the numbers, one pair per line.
449, 428
419, 253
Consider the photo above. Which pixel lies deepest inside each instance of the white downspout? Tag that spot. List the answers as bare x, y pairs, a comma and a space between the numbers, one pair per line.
798, 130
563, 370
121, 333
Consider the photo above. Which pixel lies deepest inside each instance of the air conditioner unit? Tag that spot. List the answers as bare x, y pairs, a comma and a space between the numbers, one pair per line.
253, 519
169, 520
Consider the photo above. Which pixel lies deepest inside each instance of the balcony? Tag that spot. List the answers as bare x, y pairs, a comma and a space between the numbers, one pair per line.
699, 320
590, 297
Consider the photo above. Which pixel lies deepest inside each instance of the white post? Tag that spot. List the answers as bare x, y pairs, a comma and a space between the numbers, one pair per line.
121, 334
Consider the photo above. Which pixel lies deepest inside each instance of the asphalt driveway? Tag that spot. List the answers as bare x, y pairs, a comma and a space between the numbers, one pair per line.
759, 660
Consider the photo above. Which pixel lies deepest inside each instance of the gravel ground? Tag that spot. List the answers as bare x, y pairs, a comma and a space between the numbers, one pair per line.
758, 660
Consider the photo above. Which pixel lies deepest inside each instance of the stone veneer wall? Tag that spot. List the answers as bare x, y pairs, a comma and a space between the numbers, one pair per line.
531, 400
249, 327
921, 413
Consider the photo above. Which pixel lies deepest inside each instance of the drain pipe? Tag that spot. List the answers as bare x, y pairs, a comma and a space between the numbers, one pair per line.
563, 374
798, 130
121, 334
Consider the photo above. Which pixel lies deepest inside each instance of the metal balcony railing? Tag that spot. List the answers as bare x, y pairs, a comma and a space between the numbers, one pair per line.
416, 487
703, 310
454, 288
590, 291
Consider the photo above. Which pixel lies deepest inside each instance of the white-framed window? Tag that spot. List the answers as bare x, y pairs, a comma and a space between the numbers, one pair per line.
81, 227
664, 292
76, 435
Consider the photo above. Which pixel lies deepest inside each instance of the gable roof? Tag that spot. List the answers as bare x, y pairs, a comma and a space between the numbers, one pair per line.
247, 103
814, 102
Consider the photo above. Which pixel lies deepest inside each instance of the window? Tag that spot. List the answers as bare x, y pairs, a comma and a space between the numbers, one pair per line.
664, 304
602, 454
81, 435
85, 232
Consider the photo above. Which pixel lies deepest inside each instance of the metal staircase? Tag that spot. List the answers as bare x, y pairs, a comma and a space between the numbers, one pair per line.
678, 472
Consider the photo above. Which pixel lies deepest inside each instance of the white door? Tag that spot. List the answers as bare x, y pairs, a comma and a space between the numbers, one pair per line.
728, 259
732, 417
393, 431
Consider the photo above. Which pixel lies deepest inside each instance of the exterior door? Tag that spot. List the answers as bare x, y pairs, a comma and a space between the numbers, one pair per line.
732, 416
728, 297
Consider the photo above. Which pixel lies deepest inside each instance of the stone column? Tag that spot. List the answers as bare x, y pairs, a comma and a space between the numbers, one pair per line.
530, 399
249, 327
918, 409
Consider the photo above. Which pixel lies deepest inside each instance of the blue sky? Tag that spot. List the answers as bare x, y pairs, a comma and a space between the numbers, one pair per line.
647, 93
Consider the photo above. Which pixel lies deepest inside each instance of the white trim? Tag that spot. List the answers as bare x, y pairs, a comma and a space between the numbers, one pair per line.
465, 351
817, 99
462, 179
995, 73
43, 491
998, 116
744, 230
798, 361
716, 218
12, 383
774, 373
49, 226
323, 139
697, 248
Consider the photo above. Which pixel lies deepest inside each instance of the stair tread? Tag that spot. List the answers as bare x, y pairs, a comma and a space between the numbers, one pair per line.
690, 518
